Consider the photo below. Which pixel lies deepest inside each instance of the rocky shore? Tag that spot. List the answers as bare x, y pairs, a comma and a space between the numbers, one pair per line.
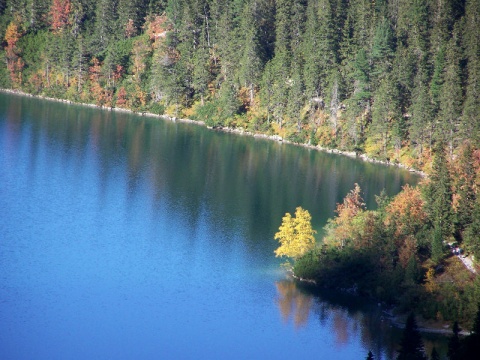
238, 131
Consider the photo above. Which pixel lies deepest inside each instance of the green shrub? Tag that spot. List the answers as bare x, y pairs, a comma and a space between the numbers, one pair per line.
157, 108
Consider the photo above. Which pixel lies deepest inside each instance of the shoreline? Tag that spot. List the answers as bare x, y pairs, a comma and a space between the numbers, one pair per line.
424, 326
238, 131
395, 320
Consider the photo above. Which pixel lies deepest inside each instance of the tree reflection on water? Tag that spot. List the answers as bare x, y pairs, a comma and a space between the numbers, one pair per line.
293, 303
347, 316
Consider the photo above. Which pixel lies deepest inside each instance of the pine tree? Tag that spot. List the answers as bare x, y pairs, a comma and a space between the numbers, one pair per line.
382, 49
105, 25
131, 15
465, 188
311, 53
436, 84
37, 13
79, 63
471, 108
411, 345
201, 74
450, 97
421, 116
280, 64
370, 356
251, 62
227, 42
471, 344
385, 113
438, 202
470, 235
296, 93
454, 343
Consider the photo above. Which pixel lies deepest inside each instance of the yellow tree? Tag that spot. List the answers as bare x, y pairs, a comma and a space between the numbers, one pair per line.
295, 235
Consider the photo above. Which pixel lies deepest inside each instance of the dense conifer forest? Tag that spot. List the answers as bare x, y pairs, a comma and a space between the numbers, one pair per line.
388, 78
398, 80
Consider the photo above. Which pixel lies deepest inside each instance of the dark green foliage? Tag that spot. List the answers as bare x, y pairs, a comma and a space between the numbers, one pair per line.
157, 108
471, 237
411, 345
454, 343
470, 346
251, 63
438, 201
434, 355
401, 74
465, 189
105, 17
370, 356
471, 109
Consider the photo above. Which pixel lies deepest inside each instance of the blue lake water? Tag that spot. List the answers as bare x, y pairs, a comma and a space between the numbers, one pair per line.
124, 237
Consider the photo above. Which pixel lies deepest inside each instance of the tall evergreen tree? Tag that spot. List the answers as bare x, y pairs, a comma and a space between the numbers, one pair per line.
382, 49
454, 343
471, 108
411, 345
451, 96
385, 113
105, 25
311, 53
465, 184
438, 202
471, 344
434, 355
131, 15
470, 236
421, 115
251, 62
201, 62
280, 64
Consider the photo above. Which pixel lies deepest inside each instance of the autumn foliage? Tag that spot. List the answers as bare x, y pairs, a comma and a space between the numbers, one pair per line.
344, 227
295, 235
405, 213
59, 14
15, 63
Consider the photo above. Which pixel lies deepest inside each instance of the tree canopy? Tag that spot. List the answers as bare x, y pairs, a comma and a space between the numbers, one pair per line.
295, 234
388, 78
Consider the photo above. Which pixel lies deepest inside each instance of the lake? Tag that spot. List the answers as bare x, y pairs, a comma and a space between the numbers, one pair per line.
126, 237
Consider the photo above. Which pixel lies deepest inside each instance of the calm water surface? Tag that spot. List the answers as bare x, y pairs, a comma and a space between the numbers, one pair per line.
123, 237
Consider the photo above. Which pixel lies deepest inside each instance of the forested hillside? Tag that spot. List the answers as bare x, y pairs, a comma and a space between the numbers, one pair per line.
388, 78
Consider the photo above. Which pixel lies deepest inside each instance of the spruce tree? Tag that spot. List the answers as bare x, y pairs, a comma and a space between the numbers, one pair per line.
471, 344
421, 115
311, 53
454, 343
251, 61
105, 25
385, 113
450, 97
411, 344
471, 108
470, 235
382, 49
465, 188
438, 202
201, 74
